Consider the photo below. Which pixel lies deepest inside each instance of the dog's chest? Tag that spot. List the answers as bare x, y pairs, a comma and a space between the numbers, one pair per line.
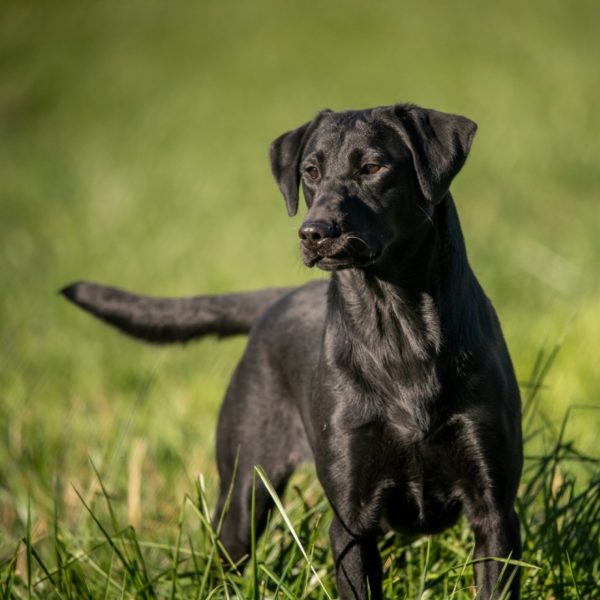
387, 361
423, 495
392, 385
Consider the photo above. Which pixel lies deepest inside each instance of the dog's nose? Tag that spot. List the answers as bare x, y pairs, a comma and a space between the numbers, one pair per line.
315, 231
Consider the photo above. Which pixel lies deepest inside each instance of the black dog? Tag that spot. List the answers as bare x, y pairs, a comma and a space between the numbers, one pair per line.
393, 376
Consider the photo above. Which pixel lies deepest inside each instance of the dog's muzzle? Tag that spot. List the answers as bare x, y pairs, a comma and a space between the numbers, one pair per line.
324, 245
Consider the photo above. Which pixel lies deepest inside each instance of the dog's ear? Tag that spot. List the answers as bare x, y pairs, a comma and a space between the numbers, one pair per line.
286, 152
439, 143
285, 155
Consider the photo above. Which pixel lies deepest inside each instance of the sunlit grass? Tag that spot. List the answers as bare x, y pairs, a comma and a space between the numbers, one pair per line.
104, 555
134, 152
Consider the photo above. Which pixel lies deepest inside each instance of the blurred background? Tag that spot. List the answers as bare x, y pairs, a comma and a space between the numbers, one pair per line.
133, 152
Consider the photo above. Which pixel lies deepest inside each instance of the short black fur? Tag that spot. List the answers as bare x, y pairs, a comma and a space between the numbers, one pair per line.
393, 376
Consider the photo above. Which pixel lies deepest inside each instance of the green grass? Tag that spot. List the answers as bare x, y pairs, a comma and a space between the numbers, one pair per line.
107, 557
133, 151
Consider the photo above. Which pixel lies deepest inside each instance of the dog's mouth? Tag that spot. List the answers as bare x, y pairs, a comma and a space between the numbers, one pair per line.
344, 252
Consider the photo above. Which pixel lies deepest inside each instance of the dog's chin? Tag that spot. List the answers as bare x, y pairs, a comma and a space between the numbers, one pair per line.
332, 264
338, 263
345, 252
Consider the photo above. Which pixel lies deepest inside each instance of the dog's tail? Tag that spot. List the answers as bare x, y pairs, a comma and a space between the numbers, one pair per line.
166, 320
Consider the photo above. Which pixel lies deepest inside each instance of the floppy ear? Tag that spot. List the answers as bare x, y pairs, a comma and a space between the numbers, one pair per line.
439, 143
285, 154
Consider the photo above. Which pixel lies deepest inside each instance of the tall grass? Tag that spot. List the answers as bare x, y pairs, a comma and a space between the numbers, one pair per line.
106, 557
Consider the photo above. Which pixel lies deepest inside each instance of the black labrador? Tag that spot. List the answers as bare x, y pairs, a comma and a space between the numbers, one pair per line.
393, 375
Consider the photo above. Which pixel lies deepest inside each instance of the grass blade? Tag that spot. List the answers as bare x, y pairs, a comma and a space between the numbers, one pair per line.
266, 482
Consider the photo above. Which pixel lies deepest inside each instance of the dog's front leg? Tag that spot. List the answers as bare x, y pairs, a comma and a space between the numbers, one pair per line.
496, 536
357, 563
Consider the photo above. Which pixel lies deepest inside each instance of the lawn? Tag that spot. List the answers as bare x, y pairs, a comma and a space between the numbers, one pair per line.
133, 151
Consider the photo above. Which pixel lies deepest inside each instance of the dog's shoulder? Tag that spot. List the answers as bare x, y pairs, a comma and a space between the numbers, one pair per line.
287, 337
299, 314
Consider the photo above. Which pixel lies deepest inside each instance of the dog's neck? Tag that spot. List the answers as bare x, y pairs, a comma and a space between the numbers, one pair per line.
401, 322
418, 278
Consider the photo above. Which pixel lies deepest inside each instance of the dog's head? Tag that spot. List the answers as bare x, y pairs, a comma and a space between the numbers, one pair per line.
369, 177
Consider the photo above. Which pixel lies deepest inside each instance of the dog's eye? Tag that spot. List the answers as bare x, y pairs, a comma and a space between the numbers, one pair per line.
312, 172
370, 169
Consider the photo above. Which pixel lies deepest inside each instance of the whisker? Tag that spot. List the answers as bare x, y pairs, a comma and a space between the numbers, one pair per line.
355, 237
427, 215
